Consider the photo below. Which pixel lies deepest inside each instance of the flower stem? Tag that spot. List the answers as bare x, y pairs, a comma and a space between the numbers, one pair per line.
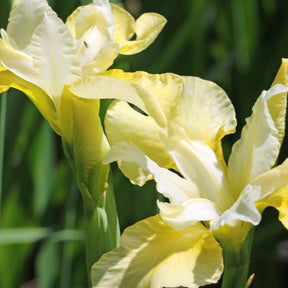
236, 263
101, 217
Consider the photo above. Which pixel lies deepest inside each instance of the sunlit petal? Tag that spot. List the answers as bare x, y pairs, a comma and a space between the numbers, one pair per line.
277, 105
167, 88
124, 24
259, 137
16, 61
41, 100
104, 7
122, 123
244, 209
82, 130
198, 163
54, 54
278, 200
204, 109
272, 180
24, 18
171, 185
104, 87
180, 216
96, 49
154, 255
147, 27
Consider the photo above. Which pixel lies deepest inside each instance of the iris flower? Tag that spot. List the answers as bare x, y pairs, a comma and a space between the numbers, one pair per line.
62, 67
208, 201
43, 57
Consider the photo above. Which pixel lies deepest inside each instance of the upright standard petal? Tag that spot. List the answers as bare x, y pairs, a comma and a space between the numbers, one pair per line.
104, 7
95, 46
259, 137
24, 18
154, 255
204, 109
54, 55
147, 27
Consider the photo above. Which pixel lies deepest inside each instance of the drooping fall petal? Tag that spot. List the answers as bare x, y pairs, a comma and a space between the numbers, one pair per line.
104, 87
154, 255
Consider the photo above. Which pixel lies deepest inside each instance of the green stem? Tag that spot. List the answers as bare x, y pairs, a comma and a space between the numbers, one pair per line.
2, 139
102, 229
236, 263
102, 225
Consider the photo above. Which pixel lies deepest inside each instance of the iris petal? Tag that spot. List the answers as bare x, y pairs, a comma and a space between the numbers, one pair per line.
154, 255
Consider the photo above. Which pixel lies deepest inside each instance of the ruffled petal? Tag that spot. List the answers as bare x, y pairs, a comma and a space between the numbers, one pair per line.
123, 123
55, 56
147, 27
95, 47
167, 88
24, 18
172, 186
154, 255
198, 163
259, 137
180, 216
204, 109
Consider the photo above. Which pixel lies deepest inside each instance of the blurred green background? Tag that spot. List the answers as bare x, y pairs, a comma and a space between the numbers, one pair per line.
238, 44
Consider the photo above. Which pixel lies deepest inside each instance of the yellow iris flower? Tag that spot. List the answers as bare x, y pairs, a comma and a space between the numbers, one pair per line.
208, 199
48, 59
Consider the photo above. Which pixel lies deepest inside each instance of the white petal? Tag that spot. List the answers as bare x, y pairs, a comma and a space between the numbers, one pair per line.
175, 188
198, 163
24, 18
244, 209
104, 7
55, 56
180, 216
258, 148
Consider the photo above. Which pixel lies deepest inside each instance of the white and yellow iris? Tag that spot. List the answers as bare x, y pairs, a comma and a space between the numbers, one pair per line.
50, 60
208, 199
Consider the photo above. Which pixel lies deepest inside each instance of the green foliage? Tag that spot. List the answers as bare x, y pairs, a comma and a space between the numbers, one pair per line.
238, 44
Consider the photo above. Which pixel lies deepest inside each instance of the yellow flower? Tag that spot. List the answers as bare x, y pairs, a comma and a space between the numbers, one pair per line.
219, 201
43, 57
